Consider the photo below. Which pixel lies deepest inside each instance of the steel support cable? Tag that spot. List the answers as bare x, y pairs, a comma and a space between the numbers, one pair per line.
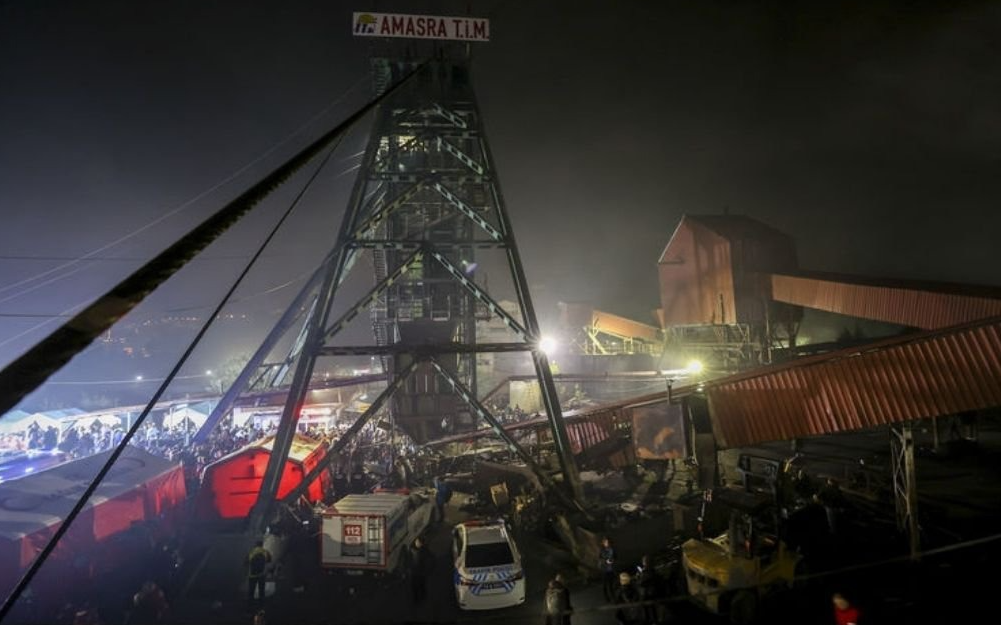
22, 584
182, 207
33, 367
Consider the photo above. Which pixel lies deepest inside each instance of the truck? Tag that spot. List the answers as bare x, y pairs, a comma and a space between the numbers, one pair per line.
369, 532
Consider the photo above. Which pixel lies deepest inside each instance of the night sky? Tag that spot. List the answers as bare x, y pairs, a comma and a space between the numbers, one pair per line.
870, 131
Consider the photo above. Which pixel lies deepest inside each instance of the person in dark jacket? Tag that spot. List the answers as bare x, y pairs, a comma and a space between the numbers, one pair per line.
443, 493
648, 584
419, 568
833, 500
149, 606
627, 596
359, 480
557, 602
606, 564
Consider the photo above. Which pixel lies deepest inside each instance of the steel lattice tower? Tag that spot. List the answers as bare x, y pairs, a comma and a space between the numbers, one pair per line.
425, 203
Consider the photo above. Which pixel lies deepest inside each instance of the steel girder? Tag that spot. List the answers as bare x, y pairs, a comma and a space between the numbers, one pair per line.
425, 188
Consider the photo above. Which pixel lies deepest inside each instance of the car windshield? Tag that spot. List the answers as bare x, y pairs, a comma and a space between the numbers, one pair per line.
488, 554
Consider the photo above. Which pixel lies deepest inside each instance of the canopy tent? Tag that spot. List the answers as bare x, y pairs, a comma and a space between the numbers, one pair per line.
231, 484
17, 423
9, 421
87, 421
195, 414
140, 487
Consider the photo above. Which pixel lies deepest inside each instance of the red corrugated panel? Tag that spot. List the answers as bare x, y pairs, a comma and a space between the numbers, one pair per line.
934, 373
917, 304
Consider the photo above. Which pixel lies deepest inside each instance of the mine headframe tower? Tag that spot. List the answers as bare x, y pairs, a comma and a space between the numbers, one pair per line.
425, 210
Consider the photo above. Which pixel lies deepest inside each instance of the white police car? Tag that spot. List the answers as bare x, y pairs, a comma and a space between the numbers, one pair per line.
488, 573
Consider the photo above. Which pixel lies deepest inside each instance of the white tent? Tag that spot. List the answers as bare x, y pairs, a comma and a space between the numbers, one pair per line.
196, 414
87, 421
12, 424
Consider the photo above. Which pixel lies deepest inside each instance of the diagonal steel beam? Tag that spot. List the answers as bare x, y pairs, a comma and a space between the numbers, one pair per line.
467, 211
480, 294
504, 435
560, 437
449, 115
383, 211
279, 373
351, 432
243, 381
352, 312
464, 158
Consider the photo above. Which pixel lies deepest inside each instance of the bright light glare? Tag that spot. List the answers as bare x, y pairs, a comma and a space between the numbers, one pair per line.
694, 366
548, 345
208, 372
139, 378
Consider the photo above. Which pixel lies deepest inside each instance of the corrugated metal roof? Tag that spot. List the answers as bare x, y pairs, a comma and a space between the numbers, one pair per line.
715, 269
934, 373
925, 305
623, 327
736, 227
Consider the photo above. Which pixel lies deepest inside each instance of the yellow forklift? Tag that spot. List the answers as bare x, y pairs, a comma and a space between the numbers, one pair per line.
731, 571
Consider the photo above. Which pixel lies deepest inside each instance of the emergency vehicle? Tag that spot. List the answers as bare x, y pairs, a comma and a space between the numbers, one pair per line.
369, 532
488, 571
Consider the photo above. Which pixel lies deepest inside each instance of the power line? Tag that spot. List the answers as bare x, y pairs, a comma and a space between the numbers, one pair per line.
69, 311
66, 313
337, 136
184, 206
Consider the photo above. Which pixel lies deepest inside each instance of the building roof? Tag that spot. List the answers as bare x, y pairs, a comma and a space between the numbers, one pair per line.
737, 227
14, 416
62, 414
204, 407
911, 303
729, 227
950, 288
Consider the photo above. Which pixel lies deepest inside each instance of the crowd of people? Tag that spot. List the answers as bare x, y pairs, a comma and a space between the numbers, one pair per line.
75, 442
